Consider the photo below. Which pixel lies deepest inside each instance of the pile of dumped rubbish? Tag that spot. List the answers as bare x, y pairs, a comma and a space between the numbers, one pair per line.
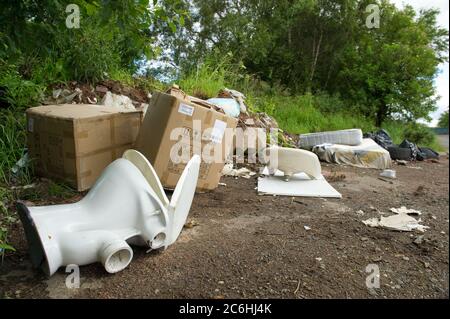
108, 93
346, 147
405, 151
371, 150
127, 147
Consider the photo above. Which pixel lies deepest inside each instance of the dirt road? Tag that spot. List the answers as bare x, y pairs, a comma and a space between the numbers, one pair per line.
253, 246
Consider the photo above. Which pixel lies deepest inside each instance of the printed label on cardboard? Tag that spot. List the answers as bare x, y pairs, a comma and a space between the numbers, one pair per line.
218, 131
186, 109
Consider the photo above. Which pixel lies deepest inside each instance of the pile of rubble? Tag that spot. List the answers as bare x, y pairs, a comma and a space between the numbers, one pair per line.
109, 92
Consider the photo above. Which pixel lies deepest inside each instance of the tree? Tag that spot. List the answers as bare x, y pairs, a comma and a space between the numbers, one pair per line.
443, 120
324, 45
390, 72
295, 43
127, 29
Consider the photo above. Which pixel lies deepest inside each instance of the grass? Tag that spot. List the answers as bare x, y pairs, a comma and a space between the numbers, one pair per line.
60, 190
303, 114
299, 114
295, 114
6, 218
211, 77
12, 145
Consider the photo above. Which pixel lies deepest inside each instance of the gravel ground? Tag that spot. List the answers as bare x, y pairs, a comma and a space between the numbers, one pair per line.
250, 246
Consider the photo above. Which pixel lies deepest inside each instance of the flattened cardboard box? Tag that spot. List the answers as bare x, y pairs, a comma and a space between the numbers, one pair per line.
74, 143
177, 115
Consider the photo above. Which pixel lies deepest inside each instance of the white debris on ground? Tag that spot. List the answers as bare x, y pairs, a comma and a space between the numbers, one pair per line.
388, 173
360, 213
404, 210
400, 222
239, 97
64, 96
121, 102
106, 94
228, 170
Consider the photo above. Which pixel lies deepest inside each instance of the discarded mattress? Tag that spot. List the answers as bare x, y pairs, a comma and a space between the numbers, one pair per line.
344, 137
298, 185
366, 155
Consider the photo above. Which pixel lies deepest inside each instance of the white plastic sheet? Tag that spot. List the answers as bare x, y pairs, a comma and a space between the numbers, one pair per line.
298, 185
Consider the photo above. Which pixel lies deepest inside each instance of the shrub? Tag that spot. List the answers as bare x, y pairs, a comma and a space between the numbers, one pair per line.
419, 134
90, 55
211, 76
12, 143
15, 91
5, 219
443, 120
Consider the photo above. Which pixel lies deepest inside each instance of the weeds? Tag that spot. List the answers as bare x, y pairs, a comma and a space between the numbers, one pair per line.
60, 190
296, 114
6, 218
18, 93
210, 77
12, 144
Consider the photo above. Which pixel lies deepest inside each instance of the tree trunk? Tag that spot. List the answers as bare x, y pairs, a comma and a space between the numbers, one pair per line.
316, 51
381, 115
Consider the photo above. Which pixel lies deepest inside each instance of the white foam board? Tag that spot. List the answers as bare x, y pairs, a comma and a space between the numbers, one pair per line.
298, 185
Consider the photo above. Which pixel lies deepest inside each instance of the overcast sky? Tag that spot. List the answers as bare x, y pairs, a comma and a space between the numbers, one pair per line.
442, 82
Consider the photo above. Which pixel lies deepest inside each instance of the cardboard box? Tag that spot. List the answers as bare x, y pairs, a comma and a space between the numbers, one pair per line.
74, 143
176, 126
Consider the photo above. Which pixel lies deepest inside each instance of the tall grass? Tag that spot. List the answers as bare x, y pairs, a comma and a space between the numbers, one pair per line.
295, 114
6, 218
301, 114
210, 77
12, 144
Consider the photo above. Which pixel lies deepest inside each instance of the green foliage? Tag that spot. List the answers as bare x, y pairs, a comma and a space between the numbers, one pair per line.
16, 91
419, 134
398, 130
91, 56
6, 218
443, 120
60, 190
390, 72
122, 76
302, 114
211, 76
12, 144
324, 46
112, 35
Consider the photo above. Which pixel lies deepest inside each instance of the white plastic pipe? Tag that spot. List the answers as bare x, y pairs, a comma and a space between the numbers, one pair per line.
127, 204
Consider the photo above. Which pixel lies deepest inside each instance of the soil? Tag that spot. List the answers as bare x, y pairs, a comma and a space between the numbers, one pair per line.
242, 245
